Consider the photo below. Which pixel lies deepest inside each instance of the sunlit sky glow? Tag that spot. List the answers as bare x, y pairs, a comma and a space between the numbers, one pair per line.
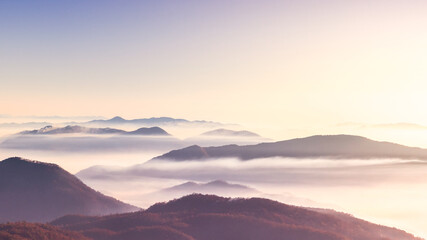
274, 65
280, 68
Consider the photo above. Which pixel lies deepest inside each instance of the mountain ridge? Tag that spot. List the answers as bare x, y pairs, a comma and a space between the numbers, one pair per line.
117, 120
328, 146
154, 120
70, 129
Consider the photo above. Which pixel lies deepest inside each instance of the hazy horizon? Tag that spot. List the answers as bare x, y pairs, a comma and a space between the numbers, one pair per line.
278, 69
271, 65
405, 133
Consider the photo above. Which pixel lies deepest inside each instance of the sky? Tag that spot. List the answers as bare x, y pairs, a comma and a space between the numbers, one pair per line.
272, 65
283, 69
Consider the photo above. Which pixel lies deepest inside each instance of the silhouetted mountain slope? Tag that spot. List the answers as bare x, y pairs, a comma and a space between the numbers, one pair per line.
36, 231
206, 217
39, 192
49, 130
331, 146
229, 133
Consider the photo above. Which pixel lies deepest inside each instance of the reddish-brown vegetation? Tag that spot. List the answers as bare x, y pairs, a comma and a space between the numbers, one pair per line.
35, 231
206, 217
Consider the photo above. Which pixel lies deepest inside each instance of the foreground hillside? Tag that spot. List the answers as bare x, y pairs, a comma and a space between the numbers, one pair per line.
328, 146
36, 231
206, 217
40, 192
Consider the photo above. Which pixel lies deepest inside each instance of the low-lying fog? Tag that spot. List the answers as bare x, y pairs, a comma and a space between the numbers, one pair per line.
78, 151
389, 192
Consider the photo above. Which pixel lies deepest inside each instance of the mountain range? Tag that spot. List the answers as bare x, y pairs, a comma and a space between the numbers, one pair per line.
77, 138
319, 146
70, 129
146, 122
39, 192
206, 217
156, 121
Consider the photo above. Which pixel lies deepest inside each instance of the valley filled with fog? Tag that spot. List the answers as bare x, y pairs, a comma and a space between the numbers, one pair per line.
387, 191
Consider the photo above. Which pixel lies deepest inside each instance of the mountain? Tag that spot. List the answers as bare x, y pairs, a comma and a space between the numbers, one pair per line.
116, 121
39, 192
154, 121
221, 132
50, 130
327, 146
213, 187
206, 217
36, 231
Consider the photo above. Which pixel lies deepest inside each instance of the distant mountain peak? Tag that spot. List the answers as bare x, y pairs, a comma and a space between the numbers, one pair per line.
191, 152
212, 187
221, 183
117, 119
183, 186
230, 133
149, 131
217, 182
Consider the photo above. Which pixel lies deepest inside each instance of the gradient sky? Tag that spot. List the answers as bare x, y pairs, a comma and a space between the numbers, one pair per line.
266, 63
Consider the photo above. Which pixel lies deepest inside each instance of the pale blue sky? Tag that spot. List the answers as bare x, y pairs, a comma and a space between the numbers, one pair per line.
278, 63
